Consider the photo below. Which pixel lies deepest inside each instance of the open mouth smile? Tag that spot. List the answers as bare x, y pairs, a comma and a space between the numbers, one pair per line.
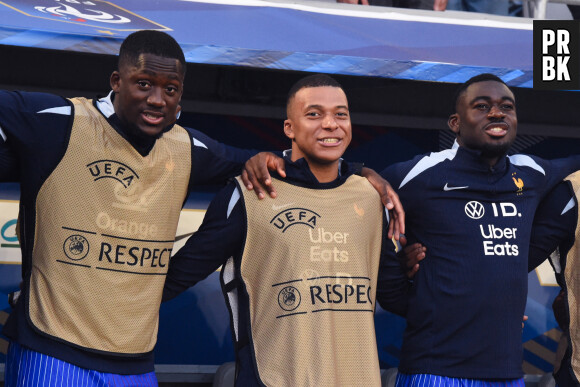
152, 118
331, 141
497, 129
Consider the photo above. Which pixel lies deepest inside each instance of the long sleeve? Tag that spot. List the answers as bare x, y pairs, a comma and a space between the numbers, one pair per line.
8, 164
33, 134
214, 162
392, 284
554, 224
219, 237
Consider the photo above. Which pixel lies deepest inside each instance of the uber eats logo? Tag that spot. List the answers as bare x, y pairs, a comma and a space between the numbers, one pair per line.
497, 240
556, 54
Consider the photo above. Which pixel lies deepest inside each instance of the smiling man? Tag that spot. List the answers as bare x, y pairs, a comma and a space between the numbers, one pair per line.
301, 272
102, 186
472, 207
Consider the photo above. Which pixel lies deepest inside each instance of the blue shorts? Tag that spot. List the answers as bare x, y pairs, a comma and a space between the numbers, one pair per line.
424, 380
28, 368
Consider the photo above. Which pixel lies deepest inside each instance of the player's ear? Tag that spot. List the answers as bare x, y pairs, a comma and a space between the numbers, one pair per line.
115, 81
453, 123
288, 129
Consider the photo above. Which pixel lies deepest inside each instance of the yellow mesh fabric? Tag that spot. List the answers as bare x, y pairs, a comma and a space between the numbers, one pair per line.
572, 275
310, 268
105, 224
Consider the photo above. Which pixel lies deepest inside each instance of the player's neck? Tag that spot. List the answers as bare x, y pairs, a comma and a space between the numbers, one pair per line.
324, 173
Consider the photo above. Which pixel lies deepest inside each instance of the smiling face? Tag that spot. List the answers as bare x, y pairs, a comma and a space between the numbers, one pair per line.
319, 125
147, 94
486, 119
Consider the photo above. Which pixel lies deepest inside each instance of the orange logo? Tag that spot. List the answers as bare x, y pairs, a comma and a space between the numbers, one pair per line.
519, 183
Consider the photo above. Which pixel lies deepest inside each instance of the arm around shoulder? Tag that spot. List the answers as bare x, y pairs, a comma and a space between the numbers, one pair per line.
214, 162
219, 237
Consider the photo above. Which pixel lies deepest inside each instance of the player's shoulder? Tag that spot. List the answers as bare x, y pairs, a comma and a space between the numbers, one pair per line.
534, 165
401, 173
528, 161
32, 101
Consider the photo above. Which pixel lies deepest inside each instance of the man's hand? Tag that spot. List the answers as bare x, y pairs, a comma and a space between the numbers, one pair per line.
390, 200
256, 173
414, 254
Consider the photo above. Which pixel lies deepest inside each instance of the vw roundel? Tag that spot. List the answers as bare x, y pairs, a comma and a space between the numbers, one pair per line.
474, 210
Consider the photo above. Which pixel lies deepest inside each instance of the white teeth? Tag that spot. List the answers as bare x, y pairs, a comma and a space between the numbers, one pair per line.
496, 129
330, 140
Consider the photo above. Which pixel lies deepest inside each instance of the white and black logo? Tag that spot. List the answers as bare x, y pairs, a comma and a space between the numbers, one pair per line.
474, 210
76, 247
556, 54
289, 298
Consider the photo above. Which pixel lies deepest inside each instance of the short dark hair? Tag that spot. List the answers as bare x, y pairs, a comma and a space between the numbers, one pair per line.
478, 78
150, 42
314, 80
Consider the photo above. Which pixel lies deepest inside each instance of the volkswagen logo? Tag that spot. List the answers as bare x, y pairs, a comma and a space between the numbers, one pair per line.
474, 210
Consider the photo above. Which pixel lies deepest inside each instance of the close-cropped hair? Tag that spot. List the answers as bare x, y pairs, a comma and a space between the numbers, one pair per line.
478, 78
315, 80
150, 42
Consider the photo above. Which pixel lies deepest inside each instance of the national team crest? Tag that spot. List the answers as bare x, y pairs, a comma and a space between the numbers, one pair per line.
91, 13
519, 183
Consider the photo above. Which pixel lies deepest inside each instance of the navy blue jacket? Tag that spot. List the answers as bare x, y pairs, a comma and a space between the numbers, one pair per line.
466, 304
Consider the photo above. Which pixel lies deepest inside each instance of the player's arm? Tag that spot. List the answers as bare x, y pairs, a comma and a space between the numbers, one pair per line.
390, 200
214, 162
392, 285
219, 237
33, 132
8, 163
554, 171
256, 173
554, 224
411, 255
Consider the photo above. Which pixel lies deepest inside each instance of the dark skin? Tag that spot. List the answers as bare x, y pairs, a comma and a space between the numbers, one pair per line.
257, 171
147, 97
147, 94
486, 119
320, 129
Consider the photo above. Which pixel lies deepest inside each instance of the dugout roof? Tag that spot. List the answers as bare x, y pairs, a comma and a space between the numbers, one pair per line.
398, 66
